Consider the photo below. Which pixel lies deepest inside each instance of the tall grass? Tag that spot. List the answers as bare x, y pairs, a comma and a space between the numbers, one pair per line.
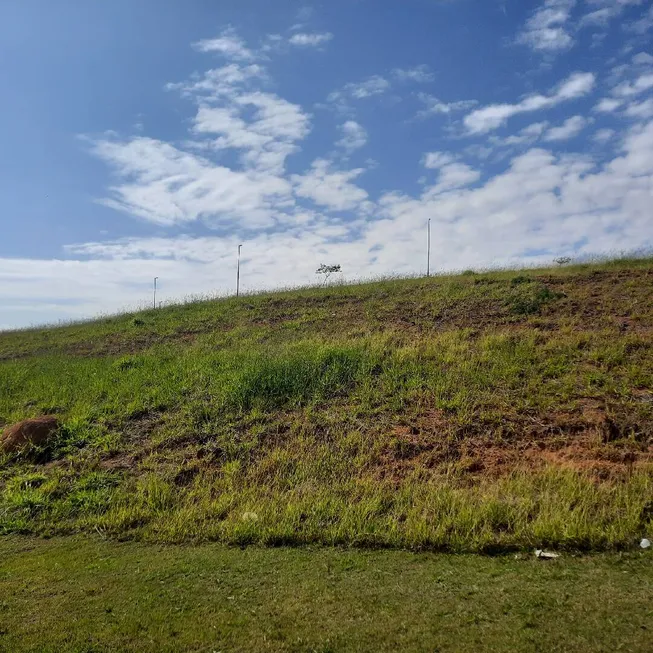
551, 508
311, 372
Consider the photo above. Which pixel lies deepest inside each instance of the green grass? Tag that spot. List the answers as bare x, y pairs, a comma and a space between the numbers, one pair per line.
82, 595
482, 412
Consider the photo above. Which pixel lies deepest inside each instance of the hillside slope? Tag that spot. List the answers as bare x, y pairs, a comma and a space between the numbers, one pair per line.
473, 412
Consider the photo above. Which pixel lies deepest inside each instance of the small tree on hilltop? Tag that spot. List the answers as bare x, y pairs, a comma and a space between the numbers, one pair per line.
327, 271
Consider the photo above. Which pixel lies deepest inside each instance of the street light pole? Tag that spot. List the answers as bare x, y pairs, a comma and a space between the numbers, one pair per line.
428, 250
238, 273
155, 278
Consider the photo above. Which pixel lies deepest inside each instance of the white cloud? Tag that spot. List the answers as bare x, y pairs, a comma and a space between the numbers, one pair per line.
527, 136
374, 85
330, 188
312, 40
272, 42
604, 135
228, 44
493, 116
608, 105
377, 85
552, 27
434, 106
535, 130
603, 11
643, 24
453, 176
558, 204
481, 152
166, 186
640, 110
643, 59
370, 87
598, 17
436, 160
546, 30
184, 248
231, 46
641, 84
232, 106
421, 74
569, 129
218, 82
353, 138
268, 137
638, 80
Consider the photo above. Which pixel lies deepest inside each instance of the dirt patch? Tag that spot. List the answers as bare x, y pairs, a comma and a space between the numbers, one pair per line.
116, 344
30, 432
477, 459
185, 477
141, 424
121, 344
478, 313
119, 462
136, 431
275, 320
604, 298
588, 439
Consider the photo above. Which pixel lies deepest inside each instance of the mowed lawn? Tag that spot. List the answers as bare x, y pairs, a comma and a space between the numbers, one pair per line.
74, 594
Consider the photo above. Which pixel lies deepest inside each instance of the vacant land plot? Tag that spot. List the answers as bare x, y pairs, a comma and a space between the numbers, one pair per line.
478, 412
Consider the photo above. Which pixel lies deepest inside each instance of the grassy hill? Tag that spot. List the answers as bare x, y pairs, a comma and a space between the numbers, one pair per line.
477, 412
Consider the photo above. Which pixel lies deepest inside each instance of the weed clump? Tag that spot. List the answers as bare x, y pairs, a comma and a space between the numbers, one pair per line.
127, 363
532, 300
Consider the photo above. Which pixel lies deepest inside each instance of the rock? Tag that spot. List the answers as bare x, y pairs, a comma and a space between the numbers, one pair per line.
35, 431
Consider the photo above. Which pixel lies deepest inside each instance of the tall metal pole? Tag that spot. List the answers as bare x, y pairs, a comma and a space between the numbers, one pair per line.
428, 251
155, 278
238, 273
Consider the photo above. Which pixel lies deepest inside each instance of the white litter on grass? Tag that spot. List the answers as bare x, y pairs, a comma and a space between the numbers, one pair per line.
250, 516
546, 555
645, 544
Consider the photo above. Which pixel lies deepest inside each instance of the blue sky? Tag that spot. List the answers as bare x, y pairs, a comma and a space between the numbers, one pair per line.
149, 138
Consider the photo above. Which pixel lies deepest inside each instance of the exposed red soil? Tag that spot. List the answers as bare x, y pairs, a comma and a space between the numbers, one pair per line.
588, 440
